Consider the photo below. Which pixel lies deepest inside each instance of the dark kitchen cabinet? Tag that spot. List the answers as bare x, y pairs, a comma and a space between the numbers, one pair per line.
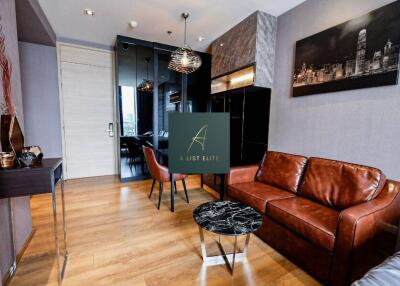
249, 110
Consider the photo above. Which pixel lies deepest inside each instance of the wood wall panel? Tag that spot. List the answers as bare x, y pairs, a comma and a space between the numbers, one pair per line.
251, 42
238, 47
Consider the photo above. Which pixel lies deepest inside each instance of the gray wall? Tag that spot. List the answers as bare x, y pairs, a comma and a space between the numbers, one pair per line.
21, 206
360, 126
39, 78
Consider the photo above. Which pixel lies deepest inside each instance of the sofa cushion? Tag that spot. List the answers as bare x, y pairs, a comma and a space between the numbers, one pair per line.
281, 170
387, 273
340, 185
256, 194
315, 222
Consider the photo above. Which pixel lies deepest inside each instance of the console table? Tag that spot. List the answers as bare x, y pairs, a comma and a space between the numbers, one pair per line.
41, 179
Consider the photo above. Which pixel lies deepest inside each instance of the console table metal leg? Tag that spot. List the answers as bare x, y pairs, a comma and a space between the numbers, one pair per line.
13, 267
65, 228
60, 268
63, 214
54, 204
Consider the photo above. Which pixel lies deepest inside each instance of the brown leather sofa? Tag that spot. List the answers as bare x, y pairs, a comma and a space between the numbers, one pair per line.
326, 216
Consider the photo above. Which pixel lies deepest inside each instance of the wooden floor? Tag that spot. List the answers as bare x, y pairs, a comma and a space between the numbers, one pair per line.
117, 236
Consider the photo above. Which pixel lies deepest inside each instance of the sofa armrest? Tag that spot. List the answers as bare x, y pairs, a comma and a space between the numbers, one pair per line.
242, 174
358, 230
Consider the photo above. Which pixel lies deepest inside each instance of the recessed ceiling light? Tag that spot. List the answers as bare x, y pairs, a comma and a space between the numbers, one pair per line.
89, 12
221, 45
200, 39
133, 24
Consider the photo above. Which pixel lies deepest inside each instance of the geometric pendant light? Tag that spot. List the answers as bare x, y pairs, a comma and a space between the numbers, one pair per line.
184, 60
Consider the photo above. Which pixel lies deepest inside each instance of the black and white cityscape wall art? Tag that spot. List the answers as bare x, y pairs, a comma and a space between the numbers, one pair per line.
360, 53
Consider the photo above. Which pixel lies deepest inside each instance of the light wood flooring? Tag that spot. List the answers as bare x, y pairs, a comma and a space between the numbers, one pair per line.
117, 237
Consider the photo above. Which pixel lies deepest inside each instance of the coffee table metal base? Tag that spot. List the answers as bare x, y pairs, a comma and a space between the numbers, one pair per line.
228, 259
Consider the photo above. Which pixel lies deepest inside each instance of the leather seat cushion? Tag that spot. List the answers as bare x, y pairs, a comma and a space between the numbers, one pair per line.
256, 194
178, 177
281, 170
340, 185
315, 222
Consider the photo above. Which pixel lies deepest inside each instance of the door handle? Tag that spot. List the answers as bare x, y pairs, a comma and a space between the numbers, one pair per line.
110, 129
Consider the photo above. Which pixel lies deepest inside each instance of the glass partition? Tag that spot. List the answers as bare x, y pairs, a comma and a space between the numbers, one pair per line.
147, 91
135, 107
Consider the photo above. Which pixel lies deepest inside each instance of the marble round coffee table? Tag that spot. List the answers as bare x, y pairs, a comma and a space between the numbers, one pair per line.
226, 218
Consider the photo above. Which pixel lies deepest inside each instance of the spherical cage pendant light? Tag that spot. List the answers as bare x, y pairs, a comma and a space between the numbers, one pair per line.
184, 59
147, 84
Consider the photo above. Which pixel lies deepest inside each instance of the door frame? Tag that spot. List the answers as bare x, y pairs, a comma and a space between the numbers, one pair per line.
59, 45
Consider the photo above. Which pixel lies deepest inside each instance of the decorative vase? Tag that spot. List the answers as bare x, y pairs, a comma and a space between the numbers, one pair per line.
12, 138
5, 122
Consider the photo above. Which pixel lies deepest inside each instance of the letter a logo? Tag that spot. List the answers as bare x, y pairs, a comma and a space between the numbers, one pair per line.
199, 138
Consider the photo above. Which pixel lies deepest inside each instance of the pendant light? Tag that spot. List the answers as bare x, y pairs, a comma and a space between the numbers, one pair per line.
184, 59
146, 85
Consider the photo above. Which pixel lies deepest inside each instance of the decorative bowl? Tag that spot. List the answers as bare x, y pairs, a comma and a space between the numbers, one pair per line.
31, 155
7, 160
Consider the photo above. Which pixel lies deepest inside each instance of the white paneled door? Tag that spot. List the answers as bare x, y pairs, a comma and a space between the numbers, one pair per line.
87, 108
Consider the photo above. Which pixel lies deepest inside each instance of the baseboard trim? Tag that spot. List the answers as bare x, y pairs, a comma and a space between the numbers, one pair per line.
6, 279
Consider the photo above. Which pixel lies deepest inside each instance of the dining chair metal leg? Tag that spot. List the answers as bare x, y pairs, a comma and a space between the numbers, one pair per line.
171, 179
184, 188
152, 187
176, 189
160, 196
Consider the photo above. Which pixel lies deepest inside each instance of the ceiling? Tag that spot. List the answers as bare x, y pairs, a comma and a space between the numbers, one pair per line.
208, 18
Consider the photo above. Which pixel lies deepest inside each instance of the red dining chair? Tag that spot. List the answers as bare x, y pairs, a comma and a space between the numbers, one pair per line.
161, 174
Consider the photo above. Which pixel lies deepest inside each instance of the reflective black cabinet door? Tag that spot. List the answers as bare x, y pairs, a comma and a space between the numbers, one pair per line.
146, 92
134, 70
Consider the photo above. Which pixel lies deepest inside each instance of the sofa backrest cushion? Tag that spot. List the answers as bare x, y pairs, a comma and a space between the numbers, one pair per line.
340, 185
281, 170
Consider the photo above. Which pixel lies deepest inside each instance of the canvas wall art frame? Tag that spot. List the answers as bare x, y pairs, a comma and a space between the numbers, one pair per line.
360, 53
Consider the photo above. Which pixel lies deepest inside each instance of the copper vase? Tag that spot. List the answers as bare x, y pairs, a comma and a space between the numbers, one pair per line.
12, 138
